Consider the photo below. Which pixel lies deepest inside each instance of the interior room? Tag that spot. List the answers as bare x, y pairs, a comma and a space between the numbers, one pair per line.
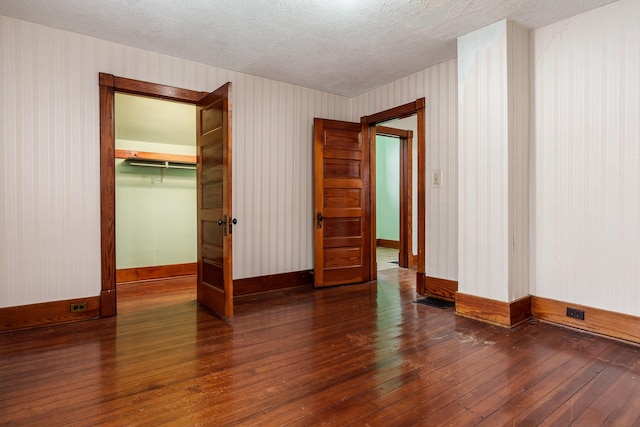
526, 166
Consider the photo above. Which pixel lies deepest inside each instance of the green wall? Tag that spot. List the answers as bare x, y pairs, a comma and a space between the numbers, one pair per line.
155, 221
387, 188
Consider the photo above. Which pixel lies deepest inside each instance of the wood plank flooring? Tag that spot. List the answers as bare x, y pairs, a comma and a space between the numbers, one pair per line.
362, 355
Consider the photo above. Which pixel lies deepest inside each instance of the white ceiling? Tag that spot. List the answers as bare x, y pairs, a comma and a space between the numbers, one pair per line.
345, 47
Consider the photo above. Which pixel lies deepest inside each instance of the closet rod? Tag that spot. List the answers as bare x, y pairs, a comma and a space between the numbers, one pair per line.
165, 165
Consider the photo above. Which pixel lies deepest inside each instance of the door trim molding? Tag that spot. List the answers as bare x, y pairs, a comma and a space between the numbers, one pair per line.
417, 107
109, 85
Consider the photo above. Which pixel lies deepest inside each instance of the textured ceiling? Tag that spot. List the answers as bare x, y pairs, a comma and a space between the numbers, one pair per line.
345, 47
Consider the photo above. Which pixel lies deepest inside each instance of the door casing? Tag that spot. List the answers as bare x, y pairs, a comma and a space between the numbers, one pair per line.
406, 110
109, 84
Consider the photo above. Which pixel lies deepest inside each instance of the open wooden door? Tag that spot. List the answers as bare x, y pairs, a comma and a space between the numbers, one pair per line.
213, 132
342, 237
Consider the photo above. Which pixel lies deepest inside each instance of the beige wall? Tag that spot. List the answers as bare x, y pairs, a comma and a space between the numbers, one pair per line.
49, 176
493, 140
439, 86
483, 158
587, 159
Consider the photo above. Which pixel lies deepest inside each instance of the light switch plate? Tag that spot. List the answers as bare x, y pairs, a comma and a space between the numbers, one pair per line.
436, 178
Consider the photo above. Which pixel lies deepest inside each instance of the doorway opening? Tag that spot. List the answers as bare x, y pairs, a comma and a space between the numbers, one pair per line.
413, 109
396, 193
109, 85
345, 197
155, 175
214, 139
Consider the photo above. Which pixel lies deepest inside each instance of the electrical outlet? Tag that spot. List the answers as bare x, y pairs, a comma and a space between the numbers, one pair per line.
575, 313
78, 306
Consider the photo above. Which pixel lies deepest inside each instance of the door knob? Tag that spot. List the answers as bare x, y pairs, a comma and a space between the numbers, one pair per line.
320, 218
223, 222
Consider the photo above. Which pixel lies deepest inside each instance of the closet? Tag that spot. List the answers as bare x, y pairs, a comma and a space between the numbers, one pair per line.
155, 174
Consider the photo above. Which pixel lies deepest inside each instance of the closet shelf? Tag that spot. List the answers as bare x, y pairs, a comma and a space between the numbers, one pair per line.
157, 160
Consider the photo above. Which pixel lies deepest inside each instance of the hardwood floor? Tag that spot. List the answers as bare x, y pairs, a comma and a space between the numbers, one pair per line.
355, 355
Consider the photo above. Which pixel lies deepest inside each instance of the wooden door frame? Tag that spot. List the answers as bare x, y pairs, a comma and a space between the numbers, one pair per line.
405, 256
418, 108
109, 85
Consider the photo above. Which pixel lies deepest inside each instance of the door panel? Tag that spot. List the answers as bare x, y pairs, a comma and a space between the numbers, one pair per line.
342, 198
341, 202
215, 278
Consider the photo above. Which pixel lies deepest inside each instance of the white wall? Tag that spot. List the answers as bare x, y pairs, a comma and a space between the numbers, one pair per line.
587, 162
438, 85
49, 160
519, 110
483, 159
493, 130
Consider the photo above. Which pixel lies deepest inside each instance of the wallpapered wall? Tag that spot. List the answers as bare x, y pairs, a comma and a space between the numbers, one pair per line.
587, 159
493, 156
440, 88
49, 218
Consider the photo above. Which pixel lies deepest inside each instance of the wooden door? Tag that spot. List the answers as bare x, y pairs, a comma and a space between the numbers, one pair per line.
342, 237
215, 279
